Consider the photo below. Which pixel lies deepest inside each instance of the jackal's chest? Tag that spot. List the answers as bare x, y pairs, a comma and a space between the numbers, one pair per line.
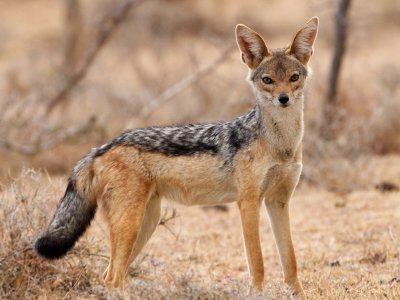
263, 162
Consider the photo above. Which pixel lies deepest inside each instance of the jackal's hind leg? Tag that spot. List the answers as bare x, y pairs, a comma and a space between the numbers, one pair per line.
149, 224
124, 210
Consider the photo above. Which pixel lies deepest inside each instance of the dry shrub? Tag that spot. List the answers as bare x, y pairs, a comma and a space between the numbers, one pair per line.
365, 116
385, 121
25, 208
368, 117
366, 124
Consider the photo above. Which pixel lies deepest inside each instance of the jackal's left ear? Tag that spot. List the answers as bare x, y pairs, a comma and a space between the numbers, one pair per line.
251, 45
302, 45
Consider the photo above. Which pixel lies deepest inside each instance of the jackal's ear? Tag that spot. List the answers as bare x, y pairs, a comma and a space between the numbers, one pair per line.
302, 45
251, 45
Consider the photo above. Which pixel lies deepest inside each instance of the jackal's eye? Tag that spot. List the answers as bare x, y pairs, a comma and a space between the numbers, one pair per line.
294, 77
267, 80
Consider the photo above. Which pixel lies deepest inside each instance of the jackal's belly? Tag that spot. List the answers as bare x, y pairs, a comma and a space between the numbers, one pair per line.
203, 191
192, 180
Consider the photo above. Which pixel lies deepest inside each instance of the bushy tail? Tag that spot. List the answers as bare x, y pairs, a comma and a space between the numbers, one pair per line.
73, 215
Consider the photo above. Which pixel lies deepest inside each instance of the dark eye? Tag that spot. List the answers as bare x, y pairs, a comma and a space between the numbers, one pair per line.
294, 77
267, 80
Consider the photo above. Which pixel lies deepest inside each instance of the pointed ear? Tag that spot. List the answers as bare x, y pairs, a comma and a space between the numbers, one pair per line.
251, 45
302, 45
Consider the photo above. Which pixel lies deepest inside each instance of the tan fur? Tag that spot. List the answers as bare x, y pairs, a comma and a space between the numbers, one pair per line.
132, 183
83, 183
129, 183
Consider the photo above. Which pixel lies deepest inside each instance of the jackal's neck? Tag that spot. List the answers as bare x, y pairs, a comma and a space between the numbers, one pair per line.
282, 126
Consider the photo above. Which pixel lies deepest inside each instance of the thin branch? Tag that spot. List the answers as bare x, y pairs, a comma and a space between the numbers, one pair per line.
180, 86
341, 34
329, 109
73, 33
165, 218
106, 28
48, 143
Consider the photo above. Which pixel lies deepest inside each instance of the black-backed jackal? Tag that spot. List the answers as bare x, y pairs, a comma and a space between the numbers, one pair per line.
253, 159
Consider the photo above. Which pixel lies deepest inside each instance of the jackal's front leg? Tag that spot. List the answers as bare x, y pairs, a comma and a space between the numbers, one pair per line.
279, 217
250, 215
277, 203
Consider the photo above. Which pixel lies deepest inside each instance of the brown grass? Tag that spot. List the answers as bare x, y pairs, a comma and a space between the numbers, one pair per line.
26, 206
348, 247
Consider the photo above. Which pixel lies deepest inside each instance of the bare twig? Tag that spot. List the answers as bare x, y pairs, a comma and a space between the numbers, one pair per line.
106, 28
178, 87
73, 33
166, 217
49, 143
74, 75
341, 33
340, 47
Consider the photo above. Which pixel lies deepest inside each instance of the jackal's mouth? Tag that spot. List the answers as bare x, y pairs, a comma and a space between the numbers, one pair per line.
284, 105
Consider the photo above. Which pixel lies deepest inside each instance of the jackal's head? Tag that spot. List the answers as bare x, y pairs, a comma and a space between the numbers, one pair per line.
277, 75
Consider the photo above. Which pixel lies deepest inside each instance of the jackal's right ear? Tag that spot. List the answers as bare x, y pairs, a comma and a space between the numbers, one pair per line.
251, 45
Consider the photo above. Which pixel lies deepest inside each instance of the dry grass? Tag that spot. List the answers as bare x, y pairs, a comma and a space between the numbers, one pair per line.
26, 207
348, 247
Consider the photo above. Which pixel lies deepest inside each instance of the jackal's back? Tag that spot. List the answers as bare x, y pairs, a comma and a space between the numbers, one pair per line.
223, 139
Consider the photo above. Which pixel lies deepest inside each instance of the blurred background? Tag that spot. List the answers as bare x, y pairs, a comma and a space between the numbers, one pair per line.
75, 73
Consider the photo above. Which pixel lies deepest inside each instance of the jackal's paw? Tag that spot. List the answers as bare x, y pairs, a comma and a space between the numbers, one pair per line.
299, 295
256, 287
297, 291
114, 282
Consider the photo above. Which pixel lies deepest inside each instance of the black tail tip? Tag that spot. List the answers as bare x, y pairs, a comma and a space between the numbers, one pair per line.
49, 248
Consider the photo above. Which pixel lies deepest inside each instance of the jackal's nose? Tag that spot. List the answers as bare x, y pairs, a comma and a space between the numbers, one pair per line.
283, 98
